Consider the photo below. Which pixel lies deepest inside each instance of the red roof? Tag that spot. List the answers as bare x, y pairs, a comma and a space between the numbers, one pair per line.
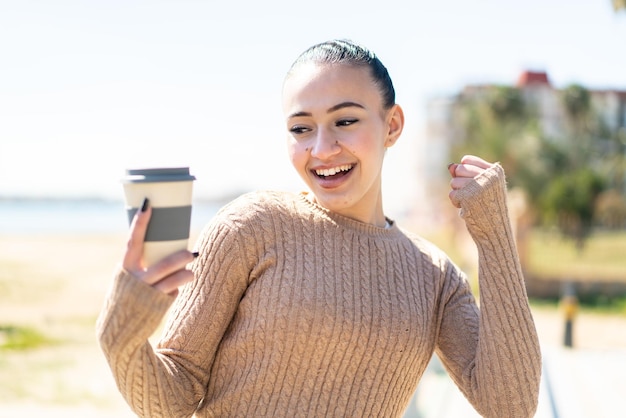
528, 78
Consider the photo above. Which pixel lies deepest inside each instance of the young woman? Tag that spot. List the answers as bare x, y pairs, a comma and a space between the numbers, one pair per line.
317, 304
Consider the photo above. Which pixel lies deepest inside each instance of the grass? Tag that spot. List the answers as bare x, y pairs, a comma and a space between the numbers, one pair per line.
604, 304
549, 256
13, 337
602, 259
597, 304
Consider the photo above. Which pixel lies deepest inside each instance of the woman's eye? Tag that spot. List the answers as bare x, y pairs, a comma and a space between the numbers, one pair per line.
298, 129
346, 122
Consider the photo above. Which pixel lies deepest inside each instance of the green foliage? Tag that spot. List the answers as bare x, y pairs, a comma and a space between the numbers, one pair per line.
495, 125
500, 126
576, 101
610, 210
14, 337
536, 167
562, 176
506, 103
569, 202
598, 302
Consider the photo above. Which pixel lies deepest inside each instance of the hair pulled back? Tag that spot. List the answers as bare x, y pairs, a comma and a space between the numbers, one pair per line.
350, 53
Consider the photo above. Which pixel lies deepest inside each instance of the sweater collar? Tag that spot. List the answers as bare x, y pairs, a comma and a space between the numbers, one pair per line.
349, 223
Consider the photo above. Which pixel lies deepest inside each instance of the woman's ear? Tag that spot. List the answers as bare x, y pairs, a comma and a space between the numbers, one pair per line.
395, 118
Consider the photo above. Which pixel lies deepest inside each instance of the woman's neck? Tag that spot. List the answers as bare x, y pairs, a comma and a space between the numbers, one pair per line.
376, 218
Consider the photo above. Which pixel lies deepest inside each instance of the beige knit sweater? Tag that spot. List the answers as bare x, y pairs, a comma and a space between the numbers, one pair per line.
299, 312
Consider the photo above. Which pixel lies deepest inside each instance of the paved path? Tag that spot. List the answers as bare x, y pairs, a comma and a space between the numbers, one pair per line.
586, 383
576, 383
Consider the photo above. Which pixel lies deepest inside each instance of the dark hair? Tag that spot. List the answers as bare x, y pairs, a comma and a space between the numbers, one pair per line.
347, 52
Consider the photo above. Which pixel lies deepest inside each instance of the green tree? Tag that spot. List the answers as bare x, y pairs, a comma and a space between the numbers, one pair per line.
569, 202
582, 125
498, 125
559, 175
577, 101
610, 210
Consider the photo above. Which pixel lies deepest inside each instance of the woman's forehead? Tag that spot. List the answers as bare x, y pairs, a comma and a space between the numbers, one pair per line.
312, 70
314, 79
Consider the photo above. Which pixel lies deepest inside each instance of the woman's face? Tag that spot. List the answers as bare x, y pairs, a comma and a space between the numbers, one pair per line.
337, 135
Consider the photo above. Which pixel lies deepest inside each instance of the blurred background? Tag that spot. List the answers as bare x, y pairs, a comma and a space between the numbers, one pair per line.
88, 89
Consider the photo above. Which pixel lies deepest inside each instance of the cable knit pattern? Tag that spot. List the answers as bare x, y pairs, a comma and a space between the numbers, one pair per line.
299, 312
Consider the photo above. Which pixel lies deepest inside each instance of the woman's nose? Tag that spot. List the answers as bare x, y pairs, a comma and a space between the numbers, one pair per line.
325, 146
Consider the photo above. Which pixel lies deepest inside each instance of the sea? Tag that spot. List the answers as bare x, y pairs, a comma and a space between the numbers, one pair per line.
35, 216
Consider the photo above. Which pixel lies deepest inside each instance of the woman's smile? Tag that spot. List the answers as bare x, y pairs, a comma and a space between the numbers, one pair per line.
334, 176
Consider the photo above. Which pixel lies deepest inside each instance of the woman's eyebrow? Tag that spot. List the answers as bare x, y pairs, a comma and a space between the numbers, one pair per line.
344, 105
332, 109
299, 114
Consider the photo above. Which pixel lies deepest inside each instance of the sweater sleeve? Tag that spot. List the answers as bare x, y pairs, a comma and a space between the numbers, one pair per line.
170, 380
131, 314
493, 353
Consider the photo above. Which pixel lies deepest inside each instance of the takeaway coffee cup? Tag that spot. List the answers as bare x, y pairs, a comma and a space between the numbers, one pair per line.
169, 191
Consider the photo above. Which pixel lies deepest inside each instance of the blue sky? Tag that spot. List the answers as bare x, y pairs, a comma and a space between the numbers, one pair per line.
88, 88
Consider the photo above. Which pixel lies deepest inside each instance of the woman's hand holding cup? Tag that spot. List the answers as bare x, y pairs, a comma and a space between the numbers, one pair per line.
167, 274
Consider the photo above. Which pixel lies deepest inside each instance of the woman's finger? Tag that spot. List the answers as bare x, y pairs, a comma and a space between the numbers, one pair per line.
452, 169
171, 283
138, 228
467, 171
475, 161
453, 198
167, 266
470, 166
460, 182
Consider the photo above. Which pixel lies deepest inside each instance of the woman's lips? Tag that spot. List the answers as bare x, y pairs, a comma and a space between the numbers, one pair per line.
332, 176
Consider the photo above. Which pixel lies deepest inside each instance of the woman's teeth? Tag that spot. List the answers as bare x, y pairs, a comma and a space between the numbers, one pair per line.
332, 171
